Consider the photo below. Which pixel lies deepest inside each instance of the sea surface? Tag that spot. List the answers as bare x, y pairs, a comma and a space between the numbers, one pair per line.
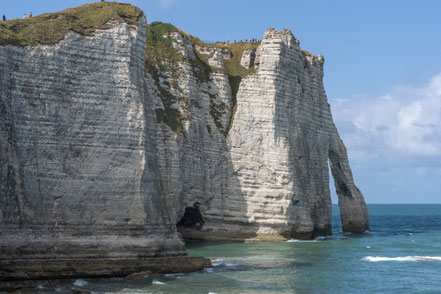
401, 254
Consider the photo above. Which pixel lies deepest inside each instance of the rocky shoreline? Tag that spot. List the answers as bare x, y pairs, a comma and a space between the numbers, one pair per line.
25, 274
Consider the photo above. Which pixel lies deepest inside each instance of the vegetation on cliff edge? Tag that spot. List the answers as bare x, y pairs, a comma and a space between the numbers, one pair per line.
160, 49
161, 56
50, 28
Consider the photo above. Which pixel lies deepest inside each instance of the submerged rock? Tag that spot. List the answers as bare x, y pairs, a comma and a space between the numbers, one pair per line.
138, 275
81, 291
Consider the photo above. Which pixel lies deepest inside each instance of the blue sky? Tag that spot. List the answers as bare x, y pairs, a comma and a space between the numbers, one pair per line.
382, 75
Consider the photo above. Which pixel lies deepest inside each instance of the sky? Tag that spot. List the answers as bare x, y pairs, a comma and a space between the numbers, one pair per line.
382, 74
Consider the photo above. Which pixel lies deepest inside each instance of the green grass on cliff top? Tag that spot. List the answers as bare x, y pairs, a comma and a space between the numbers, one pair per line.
162, 56
50, 28
159, 48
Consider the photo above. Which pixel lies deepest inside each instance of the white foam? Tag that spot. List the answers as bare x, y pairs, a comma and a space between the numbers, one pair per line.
176, 275
301, 241
402, 258
217, 262
231, 264
223, 263
368, 247
80, 283
40, 287
156, 282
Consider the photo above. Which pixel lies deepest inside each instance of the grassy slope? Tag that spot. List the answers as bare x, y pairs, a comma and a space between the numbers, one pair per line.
50, 28
161, 55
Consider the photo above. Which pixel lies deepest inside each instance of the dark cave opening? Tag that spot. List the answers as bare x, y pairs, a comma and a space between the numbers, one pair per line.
192, 218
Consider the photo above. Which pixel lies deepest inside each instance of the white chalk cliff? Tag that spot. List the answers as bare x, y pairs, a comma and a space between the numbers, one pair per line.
255, 161
105, 148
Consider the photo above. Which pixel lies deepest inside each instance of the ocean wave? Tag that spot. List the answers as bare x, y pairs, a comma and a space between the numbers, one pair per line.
80, 283
217, 263
229, 264
337, 236
301, 241
175, 275
402, 258
156, 282
226, 264
317, 239
222, 262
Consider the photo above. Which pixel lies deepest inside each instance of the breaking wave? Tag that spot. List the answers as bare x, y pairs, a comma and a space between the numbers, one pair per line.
301, 241
175, 275
402, 258
80, 283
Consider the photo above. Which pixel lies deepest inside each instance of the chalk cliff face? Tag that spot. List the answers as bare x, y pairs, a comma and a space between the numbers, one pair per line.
253, 153
79, 174
288, 137
105, 147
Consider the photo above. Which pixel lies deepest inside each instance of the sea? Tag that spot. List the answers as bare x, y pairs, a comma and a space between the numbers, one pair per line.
401, 254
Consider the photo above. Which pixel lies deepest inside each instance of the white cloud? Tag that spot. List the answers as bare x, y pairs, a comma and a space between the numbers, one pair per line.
403, 125
167, 3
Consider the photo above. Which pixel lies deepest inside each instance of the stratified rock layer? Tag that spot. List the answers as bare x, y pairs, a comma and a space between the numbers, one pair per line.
108, 151
254, 159
79, 173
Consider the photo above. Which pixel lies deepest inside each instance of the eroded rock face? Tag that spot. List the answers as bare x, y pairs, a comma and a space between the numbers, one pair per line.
101, 158
353, 210
79, 177
284, 172
256, 158
248, 57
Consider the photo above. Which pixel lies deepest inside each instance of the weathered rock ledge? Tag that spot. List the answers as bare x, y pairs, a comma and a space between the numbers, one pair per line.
13, 274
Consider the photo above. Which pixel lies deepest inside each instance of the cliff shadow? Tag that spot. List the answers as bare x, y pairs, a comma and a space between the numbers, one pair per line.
203, 174
300, 130
219, 210
211, 205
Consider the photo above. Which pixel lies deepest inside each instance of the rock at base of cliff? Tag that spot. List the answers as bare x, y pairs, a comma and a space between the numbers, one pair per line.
18, 273
193, 235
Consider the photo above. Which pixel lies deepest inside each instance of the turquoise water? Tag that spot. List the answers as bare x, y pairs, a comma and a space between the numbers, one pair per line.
402, 254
